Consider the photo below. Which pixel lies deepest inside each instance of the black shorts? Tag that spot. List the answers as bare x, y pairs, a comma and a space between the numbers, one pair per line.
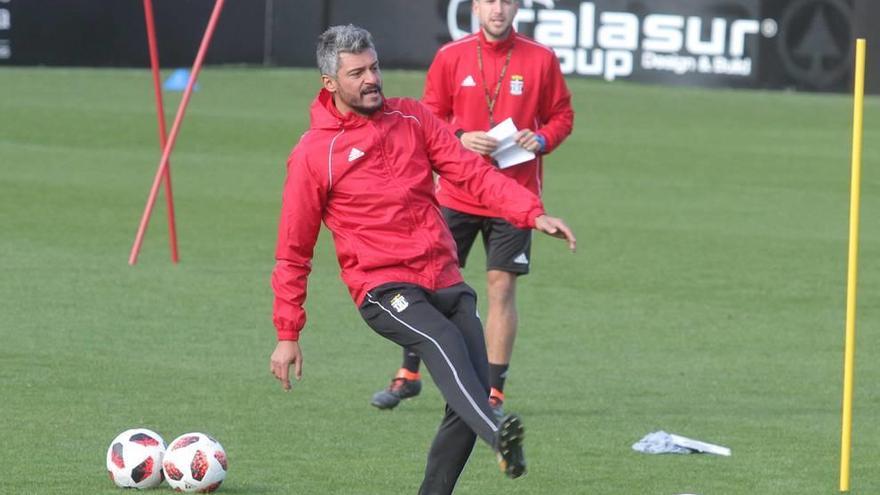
507, 248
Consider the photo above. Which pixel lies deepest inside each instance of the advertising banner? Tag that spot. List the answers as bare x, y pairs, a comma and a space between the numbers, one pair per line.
801, 44
5, 30
769, 44
112, 33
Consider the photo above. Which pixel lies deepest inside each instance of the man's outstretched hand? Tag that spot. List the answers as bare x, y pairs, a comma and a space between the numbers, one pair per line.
556, 227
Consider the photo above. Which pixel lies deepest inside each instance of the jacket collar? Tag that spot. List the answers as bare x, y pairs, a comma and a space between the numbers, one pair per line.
499, 46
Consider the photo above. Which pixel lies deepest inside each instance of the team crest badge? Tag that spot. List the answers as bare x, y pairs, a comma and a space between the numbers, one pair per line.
516, 85
399, 303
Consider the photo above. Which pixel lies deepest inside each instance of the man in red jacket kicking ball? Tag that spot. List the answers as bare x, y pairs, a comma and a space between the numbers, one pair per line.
365, 168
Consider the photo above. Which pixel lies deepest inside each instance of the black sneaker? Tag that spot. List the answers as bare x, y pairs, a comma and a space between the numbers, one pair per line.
400, 388
510, 434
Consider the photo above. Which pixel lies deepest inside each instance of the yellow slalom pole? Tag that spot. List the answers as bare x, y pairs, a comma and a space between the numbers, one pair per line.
852, 265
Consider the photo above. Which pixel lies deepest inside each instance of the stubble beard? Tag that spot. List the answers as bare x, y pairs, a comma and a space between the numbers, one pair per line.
354, 102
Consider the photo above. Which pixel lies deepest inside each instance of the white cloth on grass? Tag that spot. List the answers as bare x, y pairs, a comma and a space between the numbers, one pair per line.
660, 442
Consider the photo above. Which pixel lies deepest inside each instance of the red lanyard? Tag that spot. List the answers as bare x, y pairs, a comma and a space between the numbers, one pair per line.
490, 101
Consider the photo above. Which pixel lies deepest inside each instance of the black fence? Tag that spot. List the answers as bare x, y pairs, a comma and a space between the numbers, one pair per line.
792, 44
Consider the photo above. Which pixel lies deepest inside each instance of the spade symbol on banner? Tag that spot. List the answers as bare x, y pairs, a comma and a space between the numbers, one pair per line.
817, 44
813, 41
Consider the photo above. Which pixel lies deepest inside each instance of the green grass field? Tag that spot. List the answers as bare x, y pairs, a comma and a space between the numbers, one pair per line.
706, 299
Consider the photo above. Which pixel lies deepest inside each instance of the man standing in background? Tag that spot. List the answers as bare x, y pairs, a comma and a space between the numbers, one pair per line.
474, 84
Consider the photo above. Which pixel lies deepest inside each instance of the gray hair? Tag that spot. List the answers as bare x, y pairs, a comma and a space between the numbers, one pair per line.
341, 39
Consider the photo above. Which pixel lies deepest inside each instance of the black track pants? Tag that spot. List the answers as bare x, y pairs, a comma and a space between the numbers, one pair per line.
443, 327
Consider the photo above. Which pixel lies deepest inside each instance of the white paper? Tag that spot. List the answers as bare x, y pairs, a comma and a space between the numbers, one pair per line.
508, 153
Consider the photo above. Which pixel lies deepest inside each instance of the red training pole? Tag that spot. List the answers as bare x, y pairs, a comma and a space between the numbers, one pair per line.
175, 129
160, 114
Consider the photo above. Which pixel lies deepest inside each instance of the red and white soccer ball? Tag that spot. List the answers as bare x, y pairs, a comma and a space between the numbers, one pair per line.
134, 459
195, 462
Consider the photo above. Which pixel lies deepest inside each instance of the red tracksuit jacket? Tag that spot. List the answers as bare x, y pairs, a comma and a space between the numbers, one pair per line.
370, 180
533, 93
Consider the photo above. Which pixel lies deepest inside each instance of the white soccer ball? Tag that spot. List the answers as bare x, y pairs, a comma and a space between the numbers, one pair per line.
134, 459
194, 462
